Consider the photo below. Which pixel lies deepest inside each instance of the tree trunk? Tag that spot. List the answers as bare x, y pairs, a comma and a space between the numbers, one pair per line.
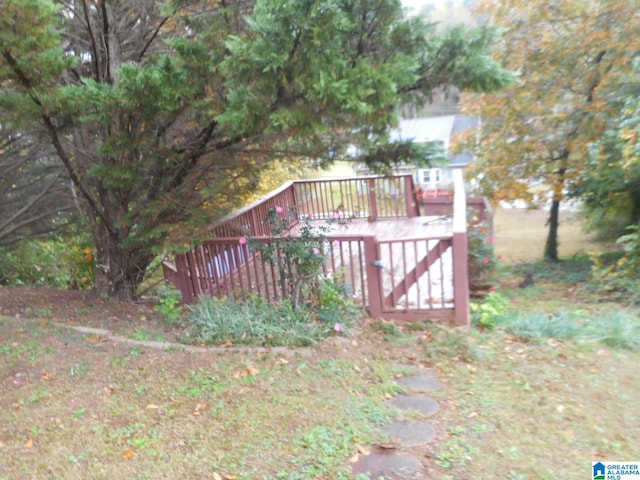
119, 270
551, 246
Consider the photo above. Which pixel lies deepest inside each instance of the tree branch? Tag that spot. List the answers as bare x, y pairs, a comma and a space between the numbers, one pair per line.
55, 139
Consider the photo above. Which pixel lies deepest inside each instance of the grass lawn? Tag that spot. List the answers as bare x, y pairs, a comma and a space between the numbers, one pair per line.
521, 234
76, 405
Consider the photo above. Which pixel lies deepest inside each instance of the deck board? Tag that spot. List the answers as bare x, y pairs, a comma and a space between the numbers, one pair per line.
385, 229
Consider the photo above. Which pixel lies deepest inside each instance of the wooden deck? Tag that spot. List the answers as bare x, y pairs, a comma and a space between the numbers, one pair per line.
395, 263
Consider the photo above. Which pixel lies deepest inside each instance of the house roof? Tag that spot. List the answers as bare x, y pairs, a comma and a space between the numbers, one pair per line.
433, 129
426, 129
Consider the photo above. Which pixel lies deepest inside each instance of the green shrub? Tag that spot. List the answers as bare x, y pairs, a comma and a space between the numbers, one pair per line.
55, 262
334, 302
490, 311
617, 329
481, 256
169, 304
615, 276
298, 260
540, 327
252, 320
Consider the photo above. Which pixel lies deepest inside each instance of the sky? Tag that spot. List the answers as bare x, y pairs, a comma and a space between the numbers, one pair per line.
416, 5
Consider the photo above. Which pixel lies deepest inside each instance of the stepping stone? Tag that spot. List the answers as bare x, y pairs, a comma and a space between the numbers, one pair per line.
410, 434
421, 383
391, 466
425, 405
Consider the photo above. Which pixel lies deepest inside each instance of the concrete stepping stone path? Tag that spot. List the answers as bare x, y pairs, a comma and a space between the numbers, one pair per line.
423, 383
393, 463
410, 434
424, 405
391, 466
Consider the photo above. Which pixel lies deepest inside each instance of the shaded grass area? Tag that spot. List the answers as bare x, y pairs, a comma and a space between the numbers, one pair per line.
75, 406
548, 390
527, 404
530, 411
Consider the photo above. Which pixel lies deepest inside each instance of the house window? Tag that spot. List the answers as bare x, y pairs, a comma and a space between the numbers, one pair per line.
431, 176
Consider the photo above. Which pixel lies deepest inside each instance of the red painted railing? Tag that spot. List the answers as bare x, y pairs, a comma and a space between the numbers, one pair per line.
412, 279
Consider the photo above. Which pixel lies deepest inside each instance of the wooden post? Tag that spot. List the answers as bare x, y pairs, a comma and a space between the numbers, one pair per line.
460, 251
372, 198
374, 276
410, 197
184, 283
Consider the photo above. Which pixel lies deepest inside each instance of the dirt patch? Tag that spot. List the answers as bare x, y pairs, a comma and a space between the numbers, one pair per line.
85, 308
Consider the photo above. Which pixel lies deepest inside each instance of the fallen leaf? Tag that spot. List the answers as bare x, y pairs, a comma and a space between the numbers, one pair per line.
151, 406
47, 376
93, 340
29, 443
354, 458
387, 446
230, 477
128, 454
282, 361
363, 451
252, 372
217, 476
472, 415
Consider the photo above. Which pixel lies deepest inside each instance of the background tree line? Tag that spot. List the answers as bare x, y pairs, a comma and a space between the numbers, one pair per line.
569, 124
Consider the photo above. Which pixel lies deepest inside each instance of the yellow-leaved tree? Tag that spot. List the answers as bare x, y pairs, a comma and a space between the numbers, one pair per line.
572, 57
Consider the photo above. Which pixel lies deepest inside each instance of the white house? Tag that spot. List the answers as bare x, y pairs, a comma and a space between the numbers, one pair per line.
438, 130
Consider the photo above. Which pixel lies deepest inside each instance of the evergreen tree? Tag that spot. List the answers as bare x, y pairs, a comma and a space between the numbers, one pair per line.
162, 113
